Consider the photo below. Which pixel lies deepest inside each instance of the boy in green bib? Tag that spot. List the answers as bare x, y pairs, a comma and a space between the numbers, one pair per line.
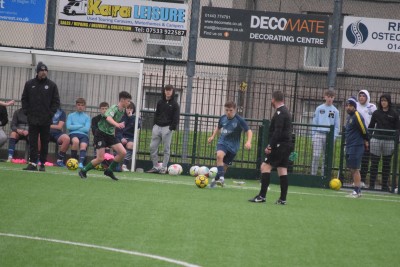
105, 137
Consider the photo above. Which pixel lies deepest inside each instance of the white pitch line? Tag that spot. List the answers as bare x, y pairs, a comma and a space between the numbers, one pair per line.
177, 262
366, 196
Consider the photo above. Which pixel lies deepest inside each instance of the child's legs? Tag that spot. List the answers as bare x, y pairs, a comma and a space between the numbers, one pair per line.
166, 139
155, 142
121, 152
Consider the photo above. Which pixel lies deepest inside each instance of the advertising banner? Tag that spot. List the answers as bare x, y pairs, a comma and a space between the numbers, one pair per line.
26, 11
371, 34
259, 26
125, 15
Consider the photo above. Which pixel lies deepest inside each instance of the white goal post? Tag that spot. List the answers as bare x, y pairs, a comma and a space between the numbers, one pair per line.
95, 65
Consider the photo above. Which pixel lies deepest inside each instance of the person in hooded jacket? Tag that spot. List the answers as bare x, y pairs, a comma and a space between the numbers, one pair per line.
365, 108
383, 143
40, 101
166, 120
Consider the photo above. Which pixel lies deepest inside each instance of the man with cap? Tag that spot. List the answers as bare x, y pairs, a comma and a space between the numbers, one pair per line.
40, 101
356, 141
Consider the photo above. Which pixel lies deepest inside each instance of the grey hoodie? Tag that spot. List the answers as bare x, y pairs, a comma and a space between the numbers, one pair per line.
367, 109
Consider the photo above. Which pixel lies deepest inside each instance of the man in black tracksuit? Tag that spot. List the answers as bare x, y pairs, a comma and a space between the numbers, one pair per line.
166, 120
383, 143
40, 101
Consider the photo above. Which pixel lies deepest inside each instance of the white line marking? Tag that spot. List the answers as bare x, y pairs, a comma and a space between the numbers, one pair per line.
366, 195
182, 263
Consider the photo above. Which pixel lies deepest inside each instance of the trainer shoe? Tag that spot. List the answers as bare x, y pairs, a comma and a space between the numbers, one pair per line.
213, 183
124, 168
9, 159
60, 163
82, 174
257, 199
153, 170
42, 168
162, 170
354, 194
280, 202
221, 181
80, 165
30, 167
110, 174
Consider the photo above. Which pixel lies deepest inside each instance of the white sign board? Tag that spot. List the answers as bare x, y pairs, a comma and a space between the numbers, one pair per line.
371, 34
125, 15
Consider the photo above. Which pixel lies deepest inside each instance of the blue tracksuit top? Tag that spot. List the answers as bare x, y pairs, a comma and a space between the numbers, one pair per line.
78, 122
231, 130
326, 115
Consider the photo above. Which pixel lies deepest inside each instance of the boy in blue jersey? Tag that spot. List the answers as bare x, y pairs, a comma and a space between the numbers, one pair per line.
231, 126
78, 125
356, 140
57, 135
325, 114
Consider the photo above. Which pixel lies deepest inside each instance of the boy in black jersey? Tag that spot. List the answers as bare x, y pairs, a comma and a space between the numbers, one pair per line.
277, 151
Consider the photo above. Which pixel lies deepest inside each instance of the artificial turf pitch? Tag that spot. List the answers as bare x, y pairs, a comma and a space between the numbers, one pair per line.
57, 219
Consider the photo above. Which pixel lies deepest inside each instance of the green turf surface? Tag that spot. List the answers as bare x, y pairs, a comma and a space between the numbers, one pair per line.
168, 216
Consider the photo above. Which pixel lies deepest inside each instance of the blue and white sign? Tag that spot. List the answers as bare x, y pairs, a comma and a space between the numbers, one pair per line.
26, 11
125, 15
371, 34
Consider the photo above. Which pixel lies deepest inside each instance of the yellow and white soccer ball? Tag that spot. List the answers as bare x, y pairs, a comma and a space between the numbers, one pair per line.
213, 172
335, 184
174, 169
194, 171
72, 164
201, 181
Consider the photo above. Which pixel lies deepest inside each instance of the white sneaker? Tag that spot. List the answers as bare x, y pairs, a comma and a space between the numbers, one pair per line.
221, 181
124, 168
9, 159
163, 170
213, 183
354, 194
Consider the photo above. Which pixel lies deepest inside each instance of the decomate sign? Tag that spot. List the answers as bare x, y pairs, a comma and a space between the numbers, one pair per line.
259, 26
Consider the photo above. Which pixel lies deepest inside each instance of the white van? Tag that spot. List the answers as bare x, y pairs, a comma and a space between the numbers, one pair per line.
75, 7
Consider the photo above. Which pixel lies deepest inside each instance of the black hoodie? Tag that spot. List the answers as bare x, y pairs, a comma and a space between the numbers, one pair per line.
167, 112
388, 120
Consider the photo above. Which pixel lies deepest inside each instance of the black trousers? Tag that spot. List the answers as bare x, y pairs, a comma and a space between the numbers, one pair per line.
34, 132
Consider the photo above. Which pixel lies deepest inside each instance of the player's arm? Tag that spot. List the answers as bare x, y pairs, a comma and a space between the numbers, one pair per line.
247, 145
7, 103
119, 125
211, 138
337, 124
58, 126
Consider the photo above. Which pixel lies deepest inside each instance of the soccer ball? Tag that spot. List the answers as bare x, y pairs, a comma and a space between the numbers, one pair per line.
72, 164
194, 171
201, 181
180, 168
203, 170
335, 184
174, 169
213, 172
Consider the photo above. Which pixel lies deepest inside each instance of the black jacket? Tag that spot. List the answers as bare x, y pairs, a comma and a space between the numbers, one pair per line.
388, 120
40, 101
167, 112
19, 121
95, 121
3, 116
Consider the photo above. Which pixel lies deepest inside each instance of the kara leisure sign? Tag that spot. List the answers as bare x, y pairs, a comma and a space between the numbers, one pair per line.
259, 26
